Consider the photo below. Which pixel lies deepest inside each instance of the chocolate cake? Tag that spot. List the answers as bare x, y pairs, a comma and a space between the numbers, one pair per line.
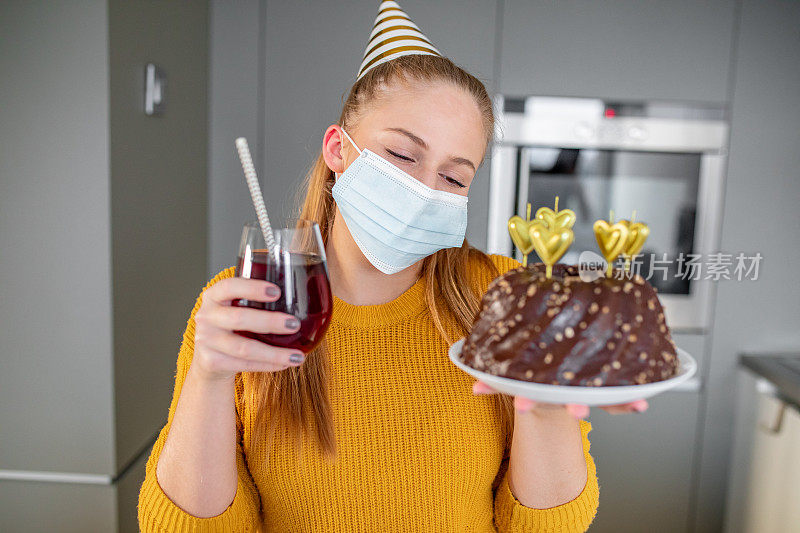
566, 331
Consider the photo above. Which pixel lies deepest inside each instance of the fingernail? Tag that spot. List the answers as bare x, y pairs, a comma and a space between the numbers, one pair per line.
640, 406
296, 358
292, 323
273, 291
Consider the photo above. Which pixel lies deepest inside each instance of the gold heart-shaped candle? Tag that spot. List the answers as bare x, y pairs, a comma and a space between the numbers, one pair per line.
612, 239
637, 234
564, 218
519, 228
550, 244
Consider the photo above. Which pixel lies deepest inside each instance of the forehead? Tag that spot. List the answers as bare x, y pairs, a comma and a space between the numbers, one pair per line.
444, 116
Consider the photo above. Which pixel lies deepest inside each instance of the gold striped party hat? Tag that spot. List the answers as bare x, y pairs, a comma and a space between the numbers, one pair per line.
393, 35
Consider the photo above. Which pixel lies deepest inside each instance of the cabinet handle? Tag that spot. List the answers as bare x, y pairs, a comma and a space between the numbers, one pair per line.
777, 422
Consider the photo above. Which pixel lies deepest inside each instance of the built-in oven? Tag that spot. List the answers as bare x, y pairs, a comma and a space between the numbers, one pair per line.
665, 161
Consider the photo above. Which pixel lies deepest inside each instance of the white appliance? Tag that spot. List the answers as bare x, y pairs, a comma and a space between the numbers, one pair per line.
664, 160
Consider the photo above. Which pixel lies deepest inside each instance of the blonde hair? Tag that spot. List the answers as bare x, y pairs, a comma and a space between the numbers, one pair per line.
299, 395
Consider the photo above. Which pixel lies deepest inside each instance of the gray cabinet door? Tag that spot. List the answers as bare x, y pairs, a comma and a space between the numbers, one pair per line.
56, 399
631, 49
645, 464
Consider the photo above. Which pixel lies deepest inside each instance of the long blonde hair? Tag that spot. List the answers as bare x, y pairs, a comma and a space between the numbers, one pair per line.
299, 395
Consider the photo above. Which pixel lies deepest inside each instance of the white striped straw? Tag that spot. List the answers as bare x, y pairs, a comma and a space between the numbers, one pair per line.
255, 191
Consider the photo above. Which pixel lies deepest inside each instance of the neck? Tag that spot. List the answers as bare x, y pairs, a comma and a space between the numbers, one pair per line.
354, 279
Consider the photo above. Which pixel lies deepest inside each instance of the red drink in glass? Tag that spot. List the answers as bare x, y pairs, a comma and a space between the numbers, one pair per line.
305, 293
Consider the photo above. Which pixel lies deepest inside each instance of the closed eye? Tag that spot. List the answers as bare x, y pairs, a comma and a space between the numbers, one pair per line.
398, 156
453, 181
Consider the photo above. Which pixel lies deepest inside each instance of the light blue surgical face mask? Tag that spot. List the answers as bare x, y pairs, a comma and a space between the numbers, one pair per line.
395, 219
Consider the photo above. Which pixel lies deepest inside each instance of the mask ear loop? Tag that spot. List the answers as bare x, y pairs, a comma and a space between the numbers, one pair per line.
351, 141
336, 174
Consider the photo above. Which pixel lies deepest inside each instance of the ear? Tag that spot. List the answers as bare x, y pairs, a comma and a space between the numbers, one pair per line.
332, 150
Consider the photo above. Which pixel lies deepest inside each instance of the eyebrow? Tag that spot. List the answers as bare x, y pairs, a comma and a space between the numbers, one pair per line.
417, 140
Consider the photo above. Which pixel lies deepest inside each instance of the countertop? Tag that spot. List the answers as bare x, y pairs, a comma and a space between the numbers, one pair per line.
782, 370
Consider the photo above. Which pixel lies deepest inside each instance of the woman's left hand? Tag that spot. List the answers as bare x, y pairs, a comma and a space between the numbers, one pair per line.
524, 405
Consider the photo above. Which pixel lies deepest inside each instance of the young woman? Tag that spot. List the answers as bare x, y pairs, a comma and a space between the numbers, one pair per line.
374, 430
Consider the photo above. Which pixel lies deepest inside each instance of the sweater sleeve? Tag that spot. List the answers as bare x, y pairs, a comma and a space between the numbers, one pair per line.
576, 515
503, 263
155, 510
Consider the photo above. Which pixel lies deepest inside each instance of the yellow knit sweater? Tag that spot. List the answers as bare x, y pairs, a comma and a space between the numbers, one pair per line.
417, 450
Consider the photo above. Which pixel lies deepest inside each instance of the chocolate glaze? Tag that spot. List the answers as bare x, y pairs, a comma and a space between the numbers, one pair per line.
566, 331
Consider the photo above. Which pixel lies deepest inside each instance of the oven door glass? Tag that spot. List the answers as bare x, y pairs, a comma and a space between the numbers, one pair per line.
662, 188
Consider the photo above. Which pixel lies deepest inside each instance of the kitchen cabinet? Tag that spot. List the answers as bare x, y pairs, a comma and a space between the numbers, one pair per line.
33, 506
644, 465
773, 494
763, 492
758, 315
695, 345
102, 250
627, 49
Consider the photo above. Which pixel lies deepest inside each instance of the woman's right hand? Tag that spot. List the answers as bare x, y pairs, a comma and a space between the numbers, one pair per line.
219, 353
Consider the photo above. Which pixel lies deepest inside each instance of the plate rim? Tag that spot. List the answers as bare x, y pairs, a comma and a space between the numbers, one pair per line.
684, 358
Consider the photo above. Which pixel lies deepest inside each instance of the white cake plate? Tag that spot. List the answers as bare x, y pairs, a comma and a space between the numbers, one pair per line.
563, 394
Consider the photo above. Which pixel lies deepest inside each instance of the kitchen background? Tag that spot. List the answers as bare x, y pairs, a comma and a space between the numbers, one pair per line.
111, 221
